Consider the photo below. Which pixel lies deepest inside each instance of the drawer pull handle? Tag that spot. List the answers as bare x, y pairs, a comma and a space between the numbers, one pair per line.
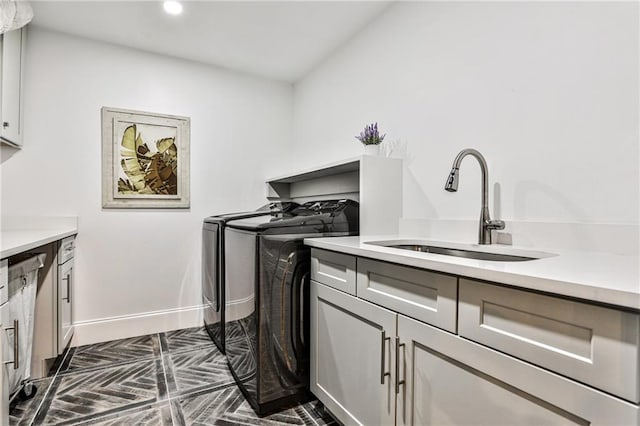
398, 360
5, 124
16, 346
383, 340
402, 382
68, 280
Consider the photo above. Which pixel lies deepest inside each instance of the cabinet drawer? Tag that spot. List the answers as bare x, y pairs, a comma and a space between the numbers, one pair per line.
4, 280
336, 270
423, 295
594, 345
66, 248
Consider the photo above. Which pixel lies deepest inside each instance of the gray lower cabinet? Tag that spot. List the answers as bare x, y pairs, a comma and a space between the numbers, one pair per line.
4, 384
591, 344
376, 365
53, 318
440, 390
351, 357
65, 319
447, 380
66, 275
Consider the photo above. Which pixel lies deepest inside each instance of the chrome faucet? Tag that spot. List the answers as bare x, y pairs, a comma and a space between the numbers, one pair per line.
486, 224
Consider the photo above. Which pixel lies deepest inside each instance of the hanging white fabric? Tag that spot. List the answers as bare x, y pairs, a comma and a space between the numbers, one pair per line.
14, 14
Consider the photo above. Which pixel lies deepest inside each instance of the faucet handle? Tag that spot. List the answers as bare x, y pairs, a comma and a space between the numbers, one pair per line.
495, 224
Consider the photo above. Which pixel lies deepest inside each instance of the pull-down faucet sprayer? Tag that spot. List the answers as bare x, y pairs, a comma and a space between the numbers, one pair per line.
486, 224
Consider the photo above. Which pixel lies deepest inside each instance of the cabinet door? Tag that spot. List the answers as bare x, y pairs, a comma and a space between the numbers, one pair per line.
471, 388
65, 300
12, 68
592, 344
351, 357
4, 384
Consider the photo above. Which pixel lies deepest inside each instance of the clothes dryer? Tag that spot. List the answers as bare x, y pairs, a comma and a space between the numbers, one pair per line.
213, 289
267, 340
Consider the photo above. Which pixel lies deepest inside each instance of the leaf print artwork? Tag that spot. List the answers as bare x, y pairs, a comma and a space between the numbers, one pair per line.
145, 170
145, 160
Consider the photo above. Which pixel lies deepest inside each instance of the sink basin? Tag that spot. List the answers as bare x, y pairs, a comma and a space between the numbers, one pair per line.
492, 253
480, 255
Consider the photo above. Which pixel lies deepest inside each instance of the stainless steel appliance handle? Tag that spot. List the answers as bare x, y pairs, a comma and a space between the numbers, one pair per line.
219, 281
383, 340
16, 346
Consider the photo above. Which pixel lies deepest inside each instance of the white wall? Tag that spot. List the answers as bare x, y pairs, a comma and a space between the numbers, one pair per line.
548, 92
135, 261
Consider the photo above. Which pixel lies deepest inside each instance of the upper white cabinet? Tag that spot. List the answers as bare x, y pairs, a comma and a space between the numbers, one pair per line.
11, 86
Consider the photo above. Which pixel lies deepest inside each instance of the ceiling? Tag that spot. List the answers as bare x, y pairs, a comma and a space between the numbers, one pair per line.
281, 40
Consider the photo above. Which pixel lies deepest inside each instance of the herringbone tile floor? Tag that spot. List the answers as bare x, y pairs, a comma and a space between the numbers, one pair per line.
174, 378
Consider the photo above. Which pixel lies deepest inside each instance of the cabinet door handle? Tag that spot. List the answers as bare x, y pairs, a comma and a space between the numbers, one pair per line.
16, 345
68, 280
383, 340
398, 360
402, 382
5, 124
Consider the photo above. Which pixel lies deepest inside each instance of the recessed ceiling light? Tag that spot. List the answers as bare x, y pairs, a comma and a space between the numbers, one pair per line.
172, 7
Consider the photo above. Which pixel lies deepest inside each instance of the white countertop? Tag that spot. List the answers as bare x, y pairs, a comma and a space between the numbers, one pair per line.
599, 277
23, 234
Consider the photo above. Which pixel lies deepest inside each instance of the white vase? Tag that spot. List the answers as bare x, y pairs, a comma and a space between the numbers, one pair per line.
372, 149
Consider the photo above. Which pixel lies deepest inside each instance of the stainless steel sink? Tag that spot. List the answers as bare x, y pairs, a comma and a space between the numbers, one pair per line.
469, 254
496, 253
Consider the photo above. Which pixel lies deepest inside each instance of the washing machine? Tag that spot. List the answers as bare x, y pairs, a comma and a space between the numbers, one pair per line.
213, 289
268, 266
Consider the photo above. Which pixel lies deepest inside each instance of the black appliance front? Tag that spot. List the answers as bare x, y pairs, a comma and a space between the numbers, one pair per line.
267, 347
213, 291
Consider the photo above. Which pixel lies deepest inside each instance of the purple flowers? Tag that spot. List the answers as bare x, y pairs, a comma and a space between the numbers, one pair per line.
370, 135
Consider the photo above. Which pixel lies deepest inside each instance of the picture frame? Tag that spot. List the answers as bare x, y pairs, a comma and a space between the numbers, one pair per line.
145, 160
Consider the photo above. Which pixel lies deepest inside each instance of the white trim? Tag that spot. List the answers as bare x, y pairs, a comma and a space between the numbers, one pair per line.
241, 308
106, 329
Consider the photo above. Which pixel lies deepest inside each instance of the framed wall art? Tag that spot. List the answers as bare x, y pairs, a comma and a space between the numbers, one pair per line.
145, 160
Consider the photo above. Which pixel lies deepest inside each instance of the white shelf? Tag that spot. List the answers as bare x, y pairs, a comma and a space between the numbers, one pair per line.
338, 167
375, 182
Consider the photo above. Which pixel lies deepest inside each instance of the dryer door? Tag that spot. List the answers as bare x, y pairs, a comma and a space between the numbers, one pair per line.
283, 320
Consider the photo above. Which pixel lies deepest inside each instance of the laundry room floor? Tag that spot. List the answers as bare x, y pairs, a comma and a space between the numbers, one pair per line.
173, 378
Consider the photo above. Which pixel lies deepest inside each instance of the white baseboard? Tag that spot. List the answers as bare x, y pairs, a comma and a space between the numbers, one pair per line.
106, 329
242, 308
